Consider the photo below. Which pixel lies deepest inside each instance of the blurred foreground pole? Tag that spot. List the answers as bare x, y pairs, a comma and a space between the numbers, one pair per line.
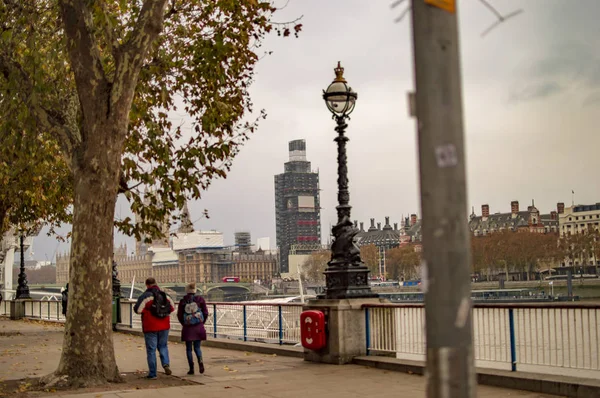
446, 263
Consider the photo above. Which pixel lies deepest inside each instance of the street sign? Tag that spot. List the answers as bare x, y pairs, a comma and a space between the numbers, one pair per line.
447, 5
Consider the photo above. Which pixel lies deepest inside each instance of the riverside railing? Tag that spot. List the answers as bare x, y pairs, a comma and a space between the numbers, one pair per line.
543, 338
269, 323
551, 338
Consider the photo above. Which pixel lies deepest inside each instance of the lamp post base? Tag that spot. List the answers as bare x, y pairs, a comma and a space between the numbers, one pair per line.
347, 282
23, 293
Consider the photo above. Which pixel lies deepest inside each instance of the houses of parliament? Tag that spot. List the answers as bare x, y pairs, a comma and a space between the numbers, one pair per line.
188, 256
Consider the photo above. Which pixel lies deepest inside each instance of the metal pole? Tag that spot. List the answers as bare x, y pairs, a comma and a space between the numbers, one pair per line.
23, 288
346, 276
280, 326
446, 262
513, 344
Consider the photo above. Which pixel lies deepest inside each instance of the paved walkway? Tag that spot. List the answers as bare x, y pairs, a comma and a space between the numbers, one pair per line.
35, 351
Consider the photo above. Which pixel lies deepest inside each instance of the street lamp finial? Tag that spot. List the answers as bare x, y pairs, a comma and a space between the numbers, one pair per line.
339, 73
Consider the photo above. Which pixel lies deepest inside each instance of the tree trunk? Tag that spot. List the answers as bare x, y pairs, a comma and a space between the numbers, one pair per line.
88, 354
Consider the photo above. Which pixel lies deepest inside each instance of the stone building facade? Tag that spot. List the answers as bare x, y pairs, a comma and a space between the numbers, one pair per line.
530, 220
62, 268
202, 266
259, 265
189, 256
579, 219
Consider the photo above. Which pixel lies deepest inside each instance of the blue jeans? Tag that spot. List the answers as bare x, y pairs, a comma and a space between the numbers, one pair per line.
188, 351
156, 340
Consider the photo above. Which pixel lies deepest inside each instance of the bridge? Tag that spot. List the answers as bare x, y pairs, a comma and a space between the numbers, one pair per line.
211, 291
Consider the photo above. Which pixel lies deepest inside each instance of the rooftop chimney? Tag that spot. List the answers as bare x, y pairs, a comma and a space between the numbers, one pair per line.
560, 207
362, 226
387, 225
485, 211
355, 224
378, 226
553, 215
372, 227
413, 219
395, 226
514, 207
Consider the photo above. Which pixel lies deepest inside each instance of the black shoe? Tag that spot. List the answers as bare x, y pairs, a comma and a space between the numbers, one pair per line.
191, 372
150, 377
200, 367
168, 371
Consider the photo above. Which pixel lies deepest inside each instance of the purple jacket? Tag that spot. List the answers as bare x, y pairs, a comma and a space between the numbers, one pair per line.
192, 332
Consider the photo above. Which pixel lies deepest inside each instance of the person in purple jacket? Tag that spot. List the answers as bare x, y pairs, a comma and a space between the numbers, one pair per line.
192, 313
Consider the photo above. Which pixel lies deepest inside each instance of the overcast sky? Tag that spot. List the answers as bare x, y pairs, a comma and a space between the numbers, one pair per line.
531, 89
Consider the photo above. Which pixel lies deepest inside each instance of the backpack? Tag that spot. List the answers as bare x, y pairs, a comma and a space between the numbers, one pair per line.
160, 307
192, 314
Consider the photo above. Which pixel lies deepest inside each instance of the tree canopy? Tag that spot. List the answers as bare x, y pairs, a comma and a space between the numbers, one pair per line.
521, 251
102, 83
403, 262
198, 62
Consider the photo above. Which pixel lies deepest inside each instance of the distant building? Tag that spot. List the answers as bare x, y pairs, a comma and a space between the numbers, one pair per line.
192, 256
297, 205
384, 238
530, 220
388, 237
251, 266
243, 242
579, 218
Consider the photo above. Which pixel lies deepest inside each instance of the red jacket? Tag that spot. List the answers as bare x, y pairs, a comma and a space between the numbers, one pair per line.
150, 323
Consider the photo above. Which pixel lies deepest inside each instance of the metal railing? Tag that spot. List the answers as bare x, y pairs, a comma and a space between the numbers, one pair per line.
270, 323
551, 338
546, 338
37, 309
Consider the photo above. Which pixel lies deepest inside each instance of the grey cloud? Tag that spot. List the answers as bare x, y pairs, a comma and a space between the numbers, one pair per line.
570, 65
536, 91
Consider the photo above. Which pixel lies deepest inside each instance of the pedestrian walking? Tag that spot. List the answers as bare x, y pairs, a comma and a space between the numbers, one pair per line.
192, 313
155, 307
65, 299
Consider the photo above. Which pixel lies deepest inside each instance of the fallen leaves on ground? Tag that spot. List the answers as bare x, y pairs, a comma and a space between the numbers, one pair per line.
227, 368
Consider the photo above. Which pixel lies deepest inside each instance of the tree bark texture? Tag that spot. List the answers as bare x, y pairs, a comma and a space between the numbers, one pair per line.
88, 352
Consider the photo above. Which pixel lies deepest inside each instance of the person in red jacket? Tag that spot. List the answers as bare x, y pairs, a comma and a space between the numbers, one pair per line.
155, 307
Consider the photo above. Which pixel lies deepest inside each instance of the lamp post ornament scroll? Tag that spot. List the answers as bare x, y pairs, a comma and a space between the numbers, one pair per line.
346, 275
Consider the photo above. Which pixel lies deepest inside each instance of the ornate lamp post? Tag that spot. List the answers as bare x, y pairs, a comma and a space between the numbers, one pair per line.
116, 283
23, 288
346, 275
116, 293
